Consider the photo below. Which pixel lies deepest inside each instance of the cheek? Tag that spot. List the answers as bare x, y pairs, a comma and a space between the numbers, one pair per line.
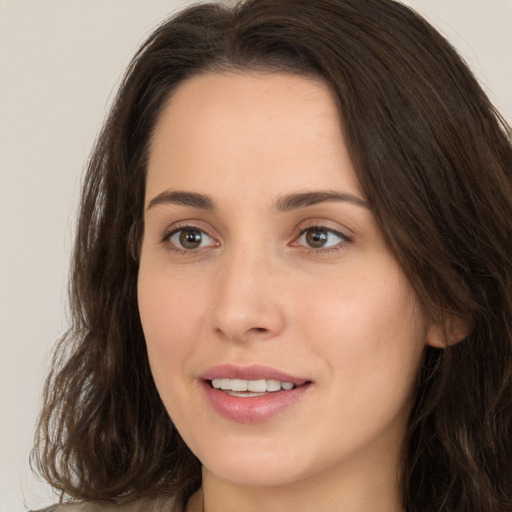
370, 331
172, 314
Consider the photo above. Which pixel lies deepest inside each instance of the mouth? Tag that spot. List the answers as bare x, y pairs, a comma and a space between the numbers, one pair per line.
252, 394
251, 388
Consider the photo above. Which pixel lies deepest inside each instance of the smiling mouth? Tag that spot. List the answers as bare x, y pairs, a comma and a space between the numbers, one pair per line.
251, 388
252, 394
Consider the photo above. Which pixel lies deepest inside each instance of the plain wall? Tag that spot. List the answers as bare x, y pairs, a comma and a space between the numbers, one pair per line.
60, 61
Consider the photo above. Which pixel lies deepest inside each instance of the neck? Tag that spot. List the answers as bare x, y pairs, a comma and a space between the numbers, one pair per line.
363, 489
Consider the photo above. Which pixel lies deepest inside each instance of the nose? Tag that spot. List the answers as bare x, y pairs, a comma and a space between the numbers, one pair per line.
247, 303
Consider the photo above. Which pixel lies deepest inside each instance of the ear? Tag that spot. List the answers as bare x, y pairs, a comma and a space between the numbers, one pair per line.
449, 331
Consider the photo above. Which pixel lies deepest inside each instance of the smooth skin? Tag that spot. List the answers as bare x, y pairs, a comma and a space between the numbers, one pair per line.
242, 274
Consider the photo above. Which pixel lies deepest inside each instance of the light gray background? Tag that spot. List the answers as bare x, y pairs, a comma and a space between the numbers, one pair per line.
60, 61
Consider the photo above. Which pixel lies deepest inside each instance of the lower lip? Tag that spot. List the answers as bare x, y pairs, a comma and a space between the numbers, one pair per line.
254, 409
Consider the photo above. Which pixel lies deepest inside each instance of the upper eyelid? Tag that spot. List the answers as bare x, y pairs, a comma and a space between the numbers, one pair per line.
172, 231
324, 221
177, 226
322, 225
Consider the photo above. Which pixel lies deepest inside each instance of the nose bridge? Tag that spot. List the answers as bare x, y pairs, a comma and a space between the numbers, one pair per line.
245, 304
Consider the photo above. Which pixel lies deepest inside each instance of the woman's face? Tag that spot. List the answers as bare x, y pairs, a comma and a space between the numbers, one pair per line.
262, 267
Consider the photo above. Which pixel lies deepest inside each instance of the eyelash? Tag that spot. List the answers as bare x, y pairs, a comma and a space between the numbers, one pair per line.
344, 239
166, 239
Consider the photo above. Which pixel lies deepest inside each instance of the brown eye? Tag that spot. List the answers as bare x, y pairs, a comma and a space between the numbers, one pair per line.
316, 238
190, 239
321, 238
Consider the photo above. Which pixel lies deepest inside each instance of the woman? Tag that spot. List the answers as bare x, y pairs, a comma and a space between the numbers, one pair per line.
291, 284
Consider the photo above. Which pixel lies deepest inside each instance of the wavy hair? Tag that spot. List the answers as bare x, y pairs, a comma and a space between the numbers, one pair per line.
434, 159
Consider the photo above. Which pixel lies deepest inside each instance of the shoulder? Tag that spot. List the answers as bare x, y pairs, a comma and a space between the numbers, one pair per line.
158, 505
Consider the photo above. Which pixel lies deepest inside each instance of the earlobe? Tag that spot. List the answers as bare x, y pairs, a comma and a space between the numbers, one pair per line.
449, 331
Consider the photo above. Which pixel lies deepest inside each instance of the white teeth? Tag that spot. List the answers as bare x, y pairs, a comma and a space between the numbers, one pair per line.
238, 385
273, 385
220, 383
254, 386
257, 386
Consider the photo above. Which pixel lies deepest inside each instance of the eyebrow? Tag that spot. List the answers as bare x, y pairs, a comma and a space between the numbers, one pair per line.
286, 203
302, 200
192, 199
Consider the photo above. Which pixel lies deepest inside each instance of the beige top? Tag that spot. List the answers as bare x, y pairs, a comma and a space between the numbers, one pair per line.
166, 504
161, 504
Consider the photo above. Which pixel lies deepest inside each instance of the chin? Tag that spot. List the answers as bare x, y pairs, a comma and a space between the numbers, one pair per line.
250, 474
257, 464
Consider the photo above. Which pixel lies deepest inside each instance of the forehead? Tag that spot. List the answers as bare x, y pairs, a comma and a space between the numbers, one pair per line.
234, 127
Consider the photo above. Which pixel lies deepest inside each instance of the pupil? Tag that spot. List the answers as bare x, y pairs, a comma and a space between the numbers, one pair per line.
316, 238
190, 239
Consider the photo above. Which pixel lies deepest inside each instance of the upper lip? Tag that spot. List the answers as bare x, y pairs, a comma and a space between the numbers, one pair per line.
252, 372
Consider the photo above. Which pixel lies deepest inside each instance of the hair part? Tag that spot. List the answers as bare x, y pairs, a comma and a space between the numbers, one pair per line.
434, 159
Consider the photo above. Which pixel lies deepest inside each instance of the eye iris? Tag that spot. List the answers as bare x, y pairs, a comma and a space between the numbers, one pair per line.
316, 238
190, 239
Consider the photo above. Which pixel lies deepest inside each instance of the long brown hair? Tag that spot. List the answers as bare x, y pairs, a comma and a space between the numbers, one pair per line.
435, 161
